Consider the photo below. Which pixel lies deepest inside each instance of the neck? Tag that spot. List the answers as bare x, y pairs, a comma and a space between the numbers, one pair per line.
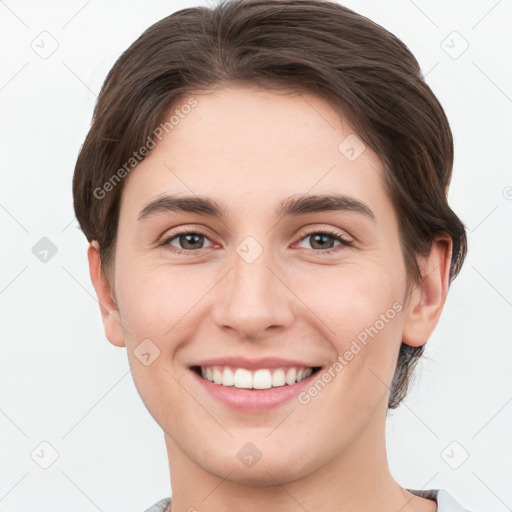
356, 480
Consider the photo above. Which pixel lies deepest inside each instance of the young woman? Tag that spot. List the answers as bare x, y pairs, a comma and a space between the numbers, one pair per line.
264, 190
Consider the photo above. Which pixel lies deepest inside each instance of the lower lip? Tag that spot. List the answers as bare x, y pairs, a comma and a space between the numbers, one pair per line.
253, 399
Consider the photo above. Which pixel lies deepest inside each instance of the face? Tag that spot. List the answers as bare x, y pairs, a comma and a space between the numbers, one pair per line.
281, 282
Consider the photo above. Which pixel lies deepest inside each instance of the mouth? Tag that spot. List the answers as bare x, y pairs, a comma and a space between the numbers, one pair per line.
252, 385
256, 378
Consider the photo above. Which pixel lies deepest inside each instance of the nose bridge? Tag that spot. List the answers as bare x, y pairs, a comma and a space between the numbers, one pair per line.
253, 297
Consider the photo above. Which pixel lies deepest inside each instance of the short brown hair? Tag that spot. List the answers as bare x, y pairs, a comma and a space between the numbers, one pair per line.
311, 46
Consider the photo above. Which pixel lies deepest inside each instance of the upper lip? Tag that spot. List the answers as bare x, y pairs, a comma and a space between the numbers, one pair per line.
264, 362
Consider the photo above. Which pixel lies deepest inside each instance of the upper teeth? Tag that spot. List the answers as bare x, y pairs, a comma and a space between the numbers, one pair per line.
259, 379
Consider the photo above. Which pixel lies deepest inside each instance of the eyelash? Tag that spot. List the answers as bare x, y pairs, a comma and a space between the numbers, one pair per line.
343, 242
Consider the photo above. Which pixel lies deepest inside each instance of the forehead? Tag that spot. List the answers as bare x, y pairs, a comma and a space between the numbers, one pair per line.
251, 147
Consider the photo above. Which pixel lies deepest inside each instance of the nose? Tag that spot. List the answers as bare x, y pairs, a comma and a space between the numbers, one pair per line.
254, 300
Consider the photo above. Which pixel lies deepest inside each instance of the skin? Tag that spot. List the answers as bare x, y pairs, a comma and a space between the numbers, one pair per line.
249, 149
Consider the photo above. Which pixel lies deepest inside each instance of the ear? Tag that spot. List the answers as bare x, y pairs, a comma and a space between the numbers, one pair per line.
427, 300
108, 308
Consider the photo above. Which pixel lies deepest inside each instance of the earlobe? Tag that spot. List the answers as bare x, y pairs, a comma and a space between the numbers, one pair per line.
427, 299
108, 307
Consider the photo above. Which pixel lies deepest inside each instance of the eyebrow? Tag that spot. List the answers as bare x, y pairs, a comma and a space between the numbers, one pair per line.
292, 206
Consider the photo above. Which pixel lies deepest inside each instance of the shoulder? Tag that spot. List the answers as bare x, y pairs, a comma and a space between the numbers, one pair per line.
445, 501
160, 506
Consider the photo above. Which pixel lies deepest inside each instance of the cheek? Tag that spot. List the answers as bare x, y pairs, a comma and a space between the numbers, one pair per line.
361, 313
352, 298
161, 302
157, 311
156, 303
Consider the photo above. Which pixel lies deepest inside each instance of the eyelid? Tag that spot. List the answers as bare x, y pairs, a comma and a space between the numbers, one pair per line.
318, 228
184, 230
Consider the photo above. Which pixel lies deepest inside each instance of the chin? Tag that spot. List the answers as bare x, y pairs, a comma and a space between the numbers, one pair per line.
274, 467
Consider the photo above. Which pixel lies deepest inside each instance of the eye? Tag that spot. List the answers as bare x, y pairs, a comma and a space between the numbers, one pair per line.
190, 241
321, 238
193, 241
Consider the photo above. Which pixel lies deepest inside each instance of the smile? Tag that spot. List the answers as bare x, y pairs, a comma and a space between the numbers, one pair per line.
253, 385
262, 378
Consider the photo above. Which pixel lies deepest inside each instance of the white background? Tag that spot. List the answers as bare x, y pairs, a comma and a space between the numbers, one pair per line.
62, 382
